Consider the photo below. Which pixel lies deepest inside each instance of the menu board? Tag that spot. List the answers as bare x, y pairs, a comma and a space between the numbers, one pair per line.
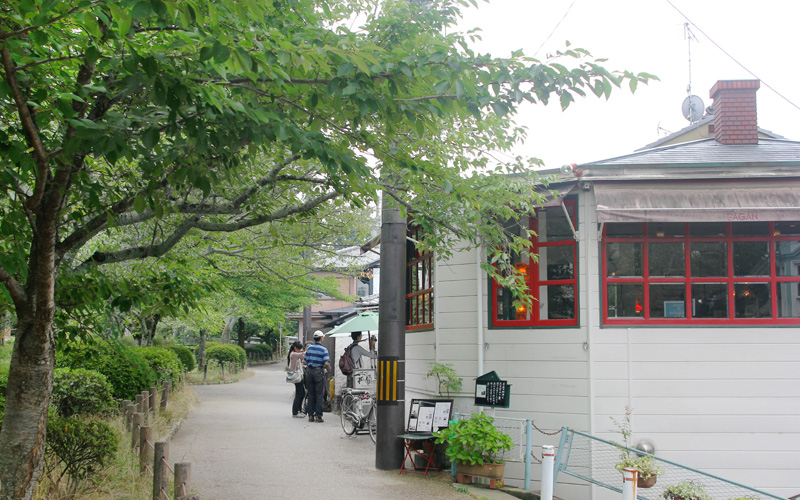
427, 416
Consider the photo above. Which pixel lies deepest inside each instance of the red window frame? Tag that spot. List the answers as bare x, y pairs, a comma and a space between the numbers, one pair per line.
534, 283
419, 291
729, 280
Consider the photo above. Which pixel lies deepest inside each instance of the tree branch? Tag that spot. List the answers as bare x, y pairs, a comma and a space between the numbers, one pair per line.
14, 289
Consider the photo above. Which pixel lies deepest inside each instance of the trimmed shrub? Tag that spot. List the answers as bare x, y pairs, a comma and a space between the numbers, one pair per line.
126, 371
242, 356
185, 356
83, 447
222, 353
265, 349
78, 391
165, 363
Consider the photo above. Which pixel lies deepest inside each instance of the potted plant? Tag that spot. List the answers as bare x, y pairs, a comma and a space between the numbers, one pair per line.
448, 383
648, 470
685, 490
476, 446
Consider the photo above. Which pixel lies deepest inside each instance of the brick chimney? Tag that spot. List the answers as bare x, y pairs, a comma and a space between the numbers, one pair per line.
735, 118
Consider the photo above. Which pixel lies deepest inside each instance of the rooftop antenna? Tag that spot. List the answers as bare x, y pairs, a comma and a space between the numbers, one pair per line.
692, 107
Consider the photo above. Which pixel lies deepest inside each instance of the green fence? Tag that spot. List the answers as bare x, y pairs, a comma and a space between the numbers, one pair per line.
593, 459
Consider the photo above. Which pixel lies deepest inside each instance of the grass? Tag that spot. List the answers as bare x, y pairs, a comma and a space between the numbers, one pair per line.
214, 376
122, 480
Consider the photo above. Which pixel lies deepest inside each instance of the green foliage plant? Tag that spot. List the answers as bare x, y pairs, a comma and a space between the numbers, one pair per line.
446, 377
185, 356
77, 391
475, 440
222, 353
643, 463
80, 446
166, 364
685, 490
126, 371
242, 356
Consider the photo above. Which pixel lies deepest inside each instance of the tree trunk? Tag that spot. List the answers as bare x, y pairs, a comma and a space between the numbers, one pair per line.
201, 349
148, 325
225, 338
242, 333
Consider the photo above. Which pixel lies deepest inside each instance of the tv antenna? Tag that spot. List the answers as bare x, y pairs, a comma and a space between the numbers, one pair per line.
692, 107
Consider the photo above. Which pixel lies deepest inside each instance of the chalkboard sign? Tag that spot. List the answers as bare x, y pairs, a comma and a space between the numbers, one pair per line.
491, 391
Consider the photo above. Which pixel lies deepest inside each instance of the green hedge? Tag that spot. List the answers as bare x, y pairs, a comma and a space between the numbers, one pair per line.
223, 353
78, 391
126, 370
185, 355
165, 363
83, 447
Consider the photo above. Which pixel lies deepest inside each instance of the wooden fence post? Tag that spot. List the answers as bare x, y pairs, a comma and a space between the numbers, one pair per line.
152, 402
145, 436
145, 404
138, 421
127, 410
160, 477
139, 404
183, 479
165, 390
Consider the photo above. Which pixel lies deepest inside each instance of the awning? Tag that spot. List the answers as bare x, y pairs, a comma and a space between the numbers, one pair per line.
697, 202
554, 195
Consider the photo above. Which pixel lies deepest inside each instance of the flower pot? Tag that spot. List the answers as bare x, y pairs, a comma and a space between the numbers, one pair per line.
492, 471
646, 483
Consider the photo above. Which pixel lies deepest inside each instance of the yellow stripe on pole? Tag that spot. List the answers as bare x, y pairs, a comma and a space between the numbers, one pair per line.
387, 380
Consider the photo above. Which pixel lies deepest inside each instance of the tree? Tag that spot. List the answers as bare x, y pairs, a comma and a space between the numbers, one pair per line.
130, 124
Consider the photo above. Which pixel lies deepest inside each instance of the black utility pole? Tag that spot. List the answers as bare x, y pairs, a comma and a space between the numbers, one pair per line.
306, 334
392, 345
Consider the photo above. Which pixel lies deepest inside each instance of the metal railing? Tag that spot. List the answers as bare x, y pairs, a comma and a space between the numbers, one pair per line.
594, 460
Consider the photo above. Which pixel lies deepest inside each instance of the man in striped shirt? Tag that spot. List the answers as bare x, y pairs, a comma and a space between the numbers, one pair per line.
317, 363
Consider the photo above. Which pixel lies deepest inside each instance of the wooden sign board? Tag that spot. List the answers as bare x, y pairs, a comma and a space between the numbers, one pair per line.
491, 391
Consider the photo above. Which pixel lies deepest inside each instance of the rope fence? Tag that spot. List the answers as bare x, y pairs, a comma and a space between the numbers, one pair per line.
154, 457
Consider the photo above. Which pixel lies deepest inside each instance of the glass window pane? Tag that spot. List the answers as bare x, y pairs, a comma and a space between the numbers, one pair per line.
667, 301
557, 263
624, 230
557, 302
624, 259
709, 300
553, 225
506, 309
787, 258
789, 300
751, 258
625, 300
752, 300
750, 228
708, 229
787, 228
666, 259
708, 259
665, 229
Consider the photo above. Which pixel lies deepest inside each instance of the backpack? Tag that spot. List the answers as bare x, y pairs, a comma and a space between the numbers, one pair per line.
346, 363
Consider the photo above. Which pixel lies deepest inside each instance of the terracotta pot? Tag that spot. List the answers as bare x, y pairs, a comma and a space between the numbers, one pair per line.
494, 471
646, 483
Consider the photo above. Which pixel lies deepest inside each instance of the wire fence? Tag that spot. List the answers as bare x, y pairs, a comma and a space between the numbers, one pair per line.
594, 460
518, 429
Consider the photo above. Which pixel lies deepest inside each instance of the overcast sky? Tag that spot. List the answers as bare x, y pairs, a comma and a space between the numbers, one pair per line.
647, 35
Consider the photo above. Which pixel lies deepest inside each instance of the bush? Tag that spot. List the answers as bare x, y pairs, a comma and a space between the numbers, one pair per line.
242, 356
165, 363
126, 371
185, 356
223, 353
265, 350
81, 446
80, 391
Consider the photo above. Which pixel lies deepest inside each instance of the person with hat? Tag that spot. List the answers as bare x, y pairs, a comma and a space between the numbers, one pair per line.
317, 363
357, 352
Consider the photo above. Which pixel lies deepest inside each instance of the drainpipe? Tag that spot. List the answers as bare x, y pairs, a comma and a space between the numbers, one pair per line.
436, 356
479, 287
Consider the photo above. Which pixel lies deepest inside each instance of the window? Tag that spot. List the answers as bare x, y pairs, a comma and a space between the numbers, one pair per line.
551, 276
419, 284
724, 273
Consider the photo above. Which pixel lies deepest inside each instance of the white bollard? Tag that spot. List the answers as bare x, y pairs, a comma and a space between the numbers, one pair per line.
629, 476
548, 461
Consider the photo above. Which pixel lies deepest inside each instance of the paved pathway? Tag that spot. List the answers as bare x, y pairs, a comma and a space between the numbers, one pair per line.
244, 444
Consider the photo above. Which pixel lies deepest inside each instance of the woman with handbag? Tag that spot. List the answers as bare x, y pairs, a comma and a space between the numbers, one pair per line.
294, 363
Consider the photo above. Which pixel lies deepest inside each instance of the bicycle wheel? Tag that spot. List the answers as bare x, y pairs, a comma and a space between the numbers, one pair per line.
348, 412
372, 423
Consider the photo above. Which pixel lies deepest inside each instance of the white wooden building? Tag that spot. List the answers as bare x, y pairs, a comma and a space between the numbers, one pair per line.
677, 295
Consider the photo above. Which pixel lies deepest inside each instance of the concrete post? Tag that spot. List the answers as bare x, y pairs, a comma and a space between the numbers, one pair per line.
629, 476
548, 462
391, 348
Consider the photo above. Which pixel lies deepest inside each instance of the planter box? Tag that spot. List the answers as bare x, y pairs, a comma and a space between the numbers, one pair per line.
493, 472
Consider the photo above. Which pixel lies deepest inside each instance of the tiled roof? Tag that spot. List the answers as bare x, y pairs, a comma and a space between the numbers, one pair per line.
709, 152
703, 121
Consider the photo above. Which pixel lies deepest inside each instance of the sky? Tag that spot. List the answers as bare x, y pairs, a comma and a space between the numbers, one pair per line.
647, 36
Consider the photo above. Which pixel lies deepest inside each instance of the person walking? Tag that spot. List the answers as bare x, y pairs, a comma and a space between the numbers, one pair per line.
295, 362
318, 362
357, 352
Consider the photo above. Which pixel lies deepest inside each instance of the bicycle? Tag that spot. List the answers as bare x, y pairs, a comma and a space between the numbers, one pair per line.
352, 413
